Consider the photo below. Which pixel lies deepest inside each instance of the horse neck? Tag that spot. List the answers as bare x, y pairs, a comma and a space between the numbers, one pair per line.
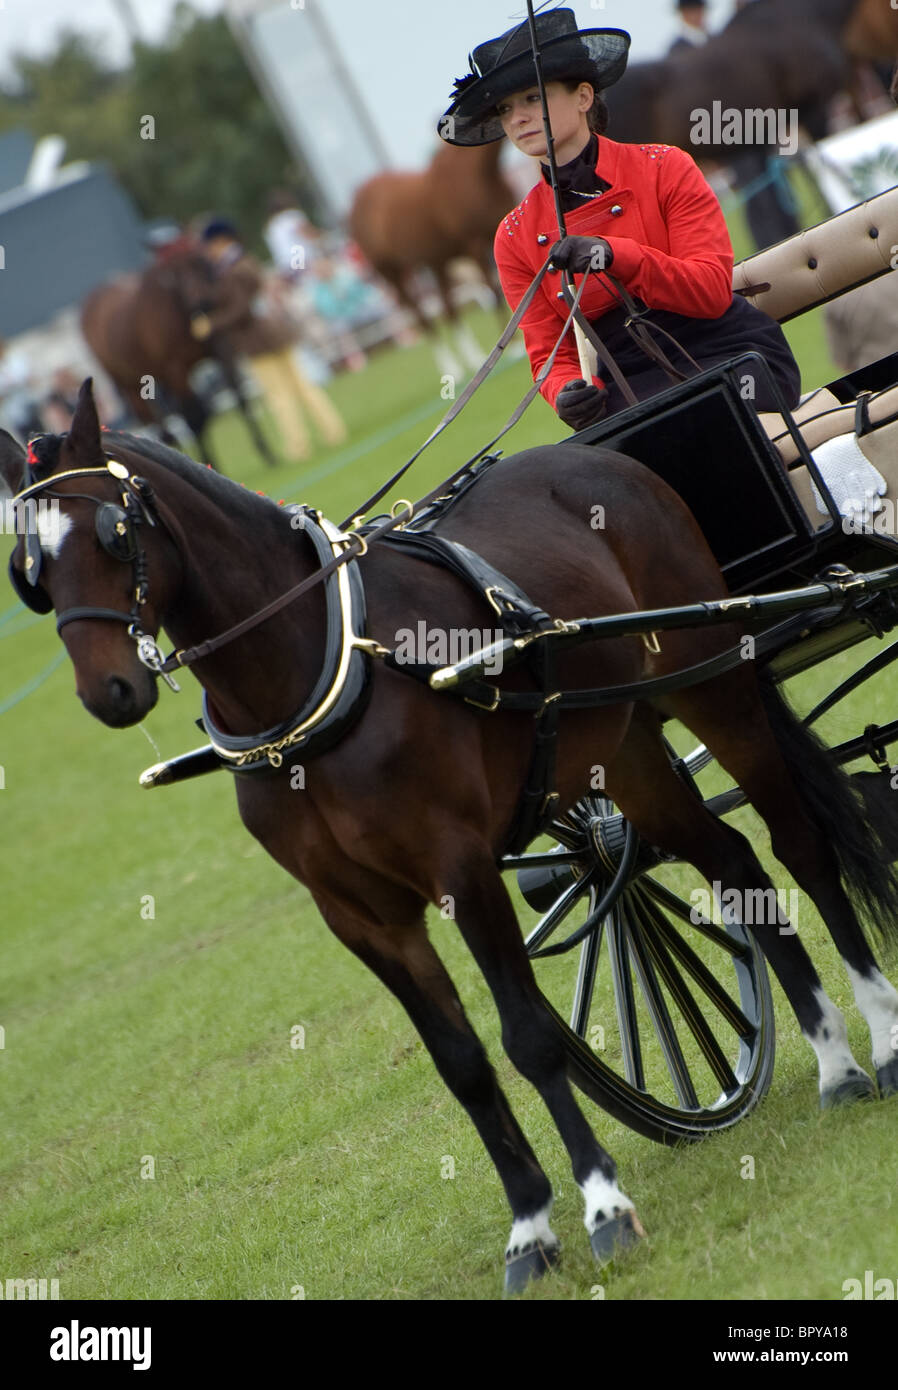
474, 164
237, 554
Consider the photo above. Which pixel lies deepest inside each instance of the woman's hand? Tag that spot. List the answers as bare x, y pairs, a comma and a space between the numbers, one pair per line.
580, 254
580, 404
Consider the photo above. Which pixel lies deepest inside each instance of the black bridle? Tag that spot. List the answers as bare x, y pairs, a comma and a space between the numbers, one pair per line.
117, 527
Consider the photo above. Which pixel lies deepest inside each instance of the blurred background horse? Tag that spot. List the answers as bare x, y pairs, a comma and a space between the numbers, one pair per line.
773, 55
406, 222
139, 329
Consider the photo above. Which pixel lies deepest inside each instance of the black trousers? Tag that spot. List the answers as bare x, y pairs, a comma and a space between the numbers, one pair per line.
742, 328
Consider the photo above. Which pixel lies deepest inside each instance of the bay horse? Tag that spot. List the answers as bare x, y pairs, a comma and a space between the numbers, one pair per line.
138, 328
773, 55
413, 804
405, 222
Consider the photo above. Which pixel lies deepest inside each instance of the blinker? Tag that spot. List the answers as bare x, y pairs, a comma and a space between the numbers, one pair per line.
30, 592
115, 532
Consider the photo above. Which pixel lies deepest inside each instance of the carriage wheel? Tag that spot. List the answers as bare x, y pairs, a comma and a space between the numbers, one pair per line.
671, 1028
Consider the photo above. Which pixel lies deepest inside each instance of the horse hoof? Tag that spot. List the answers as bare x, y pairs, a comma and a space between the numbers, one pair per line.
531, 1263
887, 1078
618, 1233
852, 1088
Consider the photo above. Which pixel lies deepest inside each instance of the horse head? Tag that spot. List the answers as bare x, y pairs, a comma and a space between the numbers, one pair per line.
91, 544
190, 278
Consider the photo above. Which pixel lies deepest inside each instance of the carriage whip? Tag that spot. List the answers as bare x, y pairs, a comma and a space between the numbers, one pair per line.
588, 360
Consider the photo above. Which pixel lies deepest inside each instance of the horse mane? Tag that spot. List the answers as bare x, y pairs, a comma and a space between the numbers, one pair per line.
469, 160
231, 496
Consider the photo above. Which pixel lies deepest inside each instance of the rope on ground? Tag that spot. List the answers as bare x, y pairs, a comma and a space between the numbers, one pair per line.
11, 613
13, 630
34, 684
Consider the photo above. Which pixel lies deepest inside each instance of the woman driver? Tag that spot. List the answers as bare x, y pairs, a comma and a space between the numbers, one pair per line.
644, 212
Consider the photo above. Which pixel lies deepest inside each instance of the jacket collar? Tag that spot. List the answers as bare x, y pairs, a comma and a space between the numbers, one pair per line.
580, 175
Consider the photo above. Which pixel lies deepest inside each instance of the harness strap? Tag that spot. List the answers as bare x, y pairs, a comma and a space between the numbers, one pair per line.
74, 615
603, 353
640, 334
517, 613
486, 696
538, 802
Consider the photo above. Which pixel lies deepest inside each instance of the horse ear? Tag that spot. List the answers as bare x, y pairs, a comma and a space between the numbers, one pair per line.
12, 464
83, 439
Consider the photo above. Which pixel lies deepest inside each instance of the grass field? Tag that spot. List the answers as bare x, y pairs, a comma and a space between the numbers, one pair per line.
164, 1139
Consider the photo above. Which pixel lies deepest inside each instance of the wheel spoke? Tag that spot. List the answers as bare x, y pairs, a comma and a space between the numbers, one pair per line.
676, 905
649, 924
624, 1001
696, 967
547, 860
586, 975
660, 1014
556, 915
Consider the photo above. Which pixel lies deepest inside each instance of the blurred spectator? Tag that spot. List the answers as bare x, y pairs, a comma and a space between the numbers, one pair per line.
167, 239
258, 329
692, 25
59, 405
18, 400
289, 235
345, 301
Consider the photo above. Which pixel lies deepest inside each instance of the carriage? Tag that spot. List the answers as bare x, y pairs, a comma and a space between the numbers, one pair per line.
670, 1024
671, 1020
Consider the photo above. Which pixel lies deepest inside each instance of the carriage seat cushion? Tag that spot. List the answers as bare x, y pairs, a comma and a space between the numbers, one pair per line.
818, 264
821, 416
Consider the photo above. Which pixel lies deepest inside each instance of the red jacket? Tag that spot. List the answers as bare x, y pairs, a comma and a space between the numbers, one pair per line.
667, 232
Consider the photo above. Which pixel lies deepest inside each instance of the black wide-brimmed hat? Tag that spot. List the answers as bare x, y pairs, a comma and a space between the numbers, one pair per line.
505, 65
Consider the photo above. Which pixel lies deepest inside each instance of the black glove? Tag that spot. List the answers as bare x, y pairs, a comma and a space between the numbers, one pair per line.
580, 404
578, 254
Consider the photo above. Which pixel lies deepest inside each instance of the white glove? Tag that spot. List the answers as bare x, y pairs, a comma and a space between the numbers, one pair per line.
856, 486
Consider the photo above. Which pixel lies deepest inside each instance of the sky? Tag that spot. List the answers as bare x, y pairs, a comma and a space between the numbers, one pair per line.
377, 38
31, 24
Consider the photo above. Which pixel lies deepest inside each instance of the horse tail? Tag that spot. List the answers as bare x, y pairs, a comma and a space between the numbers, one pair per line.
861, 830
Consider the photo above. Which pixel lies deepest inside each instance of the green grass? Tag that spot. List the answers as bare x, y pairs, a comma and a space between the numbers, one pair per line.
156, 961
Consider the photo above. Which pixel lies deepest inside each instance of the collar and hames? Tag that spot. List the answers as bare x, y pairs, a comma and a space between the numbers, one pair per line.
340, 693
